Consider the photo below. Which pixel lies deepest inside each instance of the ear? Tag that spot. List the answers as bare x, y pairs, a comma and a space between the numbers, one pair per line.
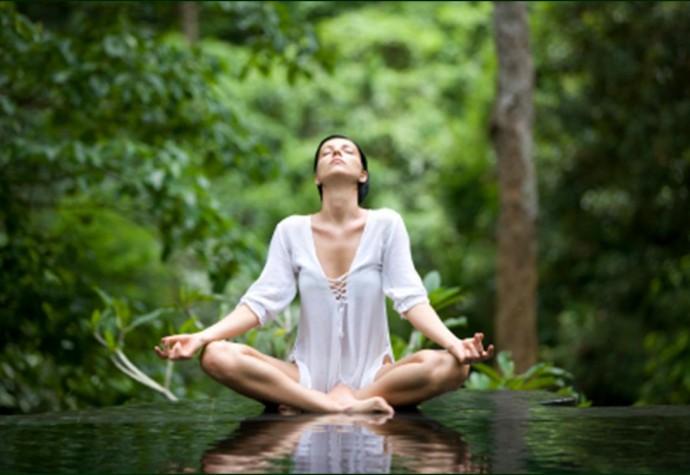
317, 182
363, 176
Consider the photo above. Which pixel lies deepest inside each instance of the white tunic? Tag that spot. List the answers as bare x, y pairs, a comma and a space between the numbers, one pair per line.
342, 335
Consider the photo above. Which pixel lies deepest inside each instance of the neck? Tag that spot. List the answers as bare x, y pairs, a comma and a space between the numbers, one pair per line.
339, 204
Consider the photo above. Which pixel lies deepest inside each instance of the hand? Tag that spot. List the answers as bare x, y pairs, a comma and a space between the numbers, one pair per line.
179, 347
471, 350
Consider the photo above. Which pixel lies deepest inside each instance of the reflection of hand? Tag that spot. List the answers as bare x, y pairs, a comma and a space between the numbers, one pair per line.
471, 350
179, 347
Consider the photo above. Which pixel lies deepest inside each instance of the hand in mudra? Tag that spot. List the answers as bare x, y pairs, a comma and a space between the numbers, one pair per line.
471, 350
179, 347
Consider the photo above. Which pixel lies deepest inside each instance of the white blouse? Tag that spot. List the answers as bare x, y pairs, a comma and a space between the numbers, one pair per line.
342, 335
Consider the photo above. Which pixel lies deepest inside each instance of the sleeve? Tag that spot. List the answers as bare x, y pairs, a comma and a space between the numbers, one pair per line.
401, 282
276, 287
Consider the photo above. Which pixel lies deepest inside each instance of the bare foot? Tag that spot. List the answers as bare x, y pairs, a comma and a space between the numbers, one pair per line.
342, 395
345, 398
373, 404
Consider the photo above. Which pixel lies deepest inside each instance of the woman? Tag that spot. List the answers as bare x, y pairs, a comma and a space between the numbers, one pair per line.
344, 260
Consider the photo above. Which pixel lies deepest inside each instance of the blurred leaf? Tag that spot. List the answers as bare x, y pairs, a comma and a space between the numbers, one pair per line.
488, 371
189, 326
123, 313
432, 281
456, 322
110, 340
505, 364
144, 319
541, 376
95, 319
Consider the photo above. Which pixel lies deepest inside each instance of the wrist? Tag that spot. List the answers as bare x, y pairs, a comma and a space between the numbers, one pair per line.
204, 337
452, 344
456, 349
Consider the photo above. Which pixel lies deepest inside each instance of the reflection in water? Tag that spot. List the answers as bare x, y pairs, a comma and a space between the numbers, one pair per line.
338, 443
508, 430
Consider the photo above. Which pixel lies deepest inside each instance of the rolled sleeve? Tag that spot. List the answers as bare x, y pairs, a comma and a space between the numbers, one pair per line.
401, 282
276, 287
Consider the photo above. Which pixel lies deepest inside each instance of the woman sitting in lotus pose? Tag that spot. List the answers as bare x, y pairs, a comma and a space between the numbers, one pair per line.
344, 260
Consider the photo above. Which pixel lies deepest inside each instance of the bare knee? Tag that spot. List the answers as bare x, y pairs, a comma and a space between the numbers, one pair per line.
220, 357
455, 372
443, 371
458, 374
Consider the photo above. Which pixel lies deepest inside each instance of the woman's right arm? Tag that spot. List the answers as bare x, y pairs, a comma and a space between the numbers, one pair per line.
184, 346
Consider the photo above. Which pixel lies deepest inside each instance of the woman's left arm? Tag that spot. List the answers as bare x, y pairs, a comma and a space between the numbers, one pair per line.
469, 350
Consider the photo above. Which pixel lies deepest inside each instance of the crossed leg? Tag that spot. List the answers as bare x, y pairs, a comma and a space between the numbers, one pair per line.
411, 380
261, 377
416, 378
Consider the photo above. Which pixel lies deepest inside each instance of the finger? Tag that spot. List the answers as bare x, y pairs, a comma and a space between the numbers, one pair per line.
181, 353
162, 355
472, 347
477, 340
474, 344
471, 355
176, 350
167, 340
481, 348
488, 353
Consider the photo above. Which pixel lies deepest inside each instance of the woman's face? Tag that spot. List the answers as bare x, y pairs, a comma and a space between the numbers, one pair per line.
339, 156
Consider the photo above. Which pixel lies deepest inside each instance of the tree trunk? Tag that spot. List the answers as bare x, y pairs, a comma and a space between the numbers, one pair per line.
189, 15
511, 133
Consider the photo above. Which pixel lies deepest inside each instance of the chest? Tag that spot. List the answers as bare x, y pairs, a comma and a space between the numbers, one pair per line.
336, 249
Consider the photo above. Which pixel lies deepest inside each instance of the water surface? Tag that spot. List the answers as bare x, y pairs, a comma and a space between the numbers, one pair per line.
466, 431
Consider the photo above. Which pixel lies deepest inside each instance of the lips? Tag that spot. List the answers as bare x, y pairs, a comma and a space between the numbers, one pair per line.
337, 160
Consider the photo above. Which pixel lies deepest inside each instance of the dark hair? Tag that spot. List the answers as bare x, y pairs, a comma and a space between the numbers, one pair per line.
362, 188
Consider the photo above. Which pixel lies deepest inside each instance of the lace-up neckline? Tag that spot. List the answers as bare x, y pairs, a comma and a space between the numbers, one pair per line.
338, 285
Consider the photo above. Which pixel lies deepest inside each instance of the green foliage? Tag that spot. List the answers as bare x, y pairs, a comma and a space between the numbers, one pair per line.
667, 368
135, 163
615, 171
111, 325
541, 376
276, 33
112, 134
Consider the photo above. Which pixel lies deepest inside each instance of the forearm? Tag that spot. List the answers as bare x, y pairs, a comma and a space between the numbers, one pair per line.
425, 319
237, 322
